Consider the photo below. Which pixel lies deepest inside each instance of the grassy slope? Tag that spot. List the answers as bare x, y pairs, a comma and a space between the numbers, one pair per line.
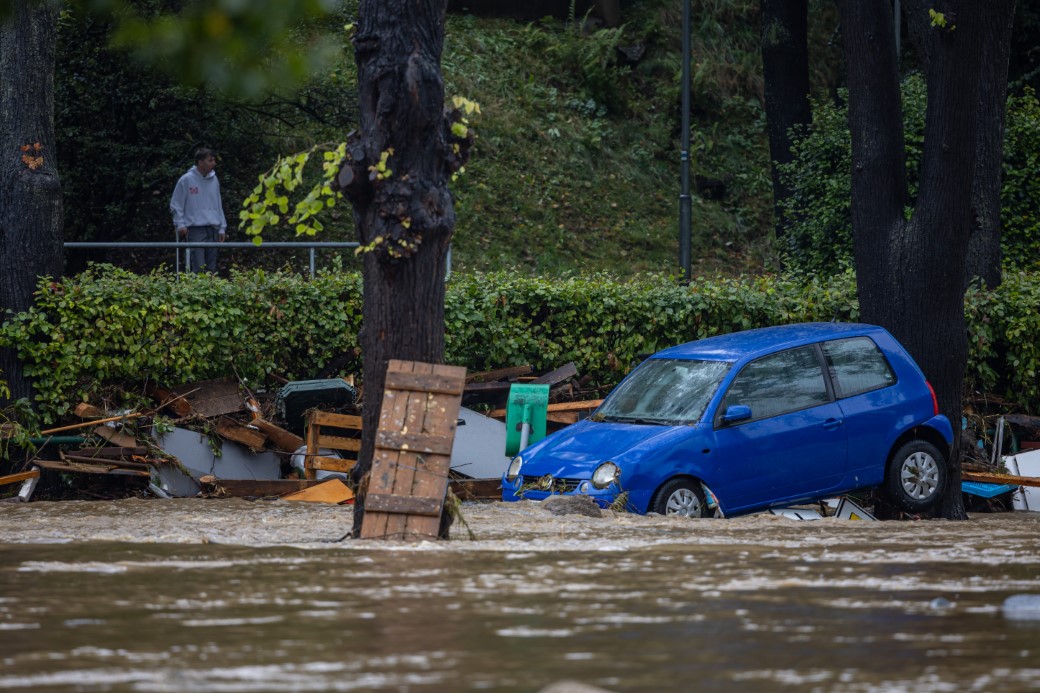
577, 162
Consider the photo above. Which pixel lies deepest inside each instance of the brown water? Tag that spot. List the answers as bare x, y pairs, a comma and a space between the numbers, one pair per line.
229, 595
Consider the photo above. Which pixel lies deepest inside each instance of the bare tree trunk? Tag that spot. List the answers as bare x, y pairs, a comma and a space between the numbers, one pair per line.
785, 63
910, 275
30, 192
404, 213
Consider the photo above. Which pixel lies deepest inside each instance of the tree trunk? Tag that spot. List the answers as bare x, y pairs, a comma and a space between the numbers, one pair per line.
910, 275
984, 256
785, 63
30, 192
404, 214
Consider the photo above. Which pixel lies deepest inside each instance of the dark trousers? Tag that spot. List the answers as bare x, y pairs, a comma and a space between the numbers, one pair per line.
202, 259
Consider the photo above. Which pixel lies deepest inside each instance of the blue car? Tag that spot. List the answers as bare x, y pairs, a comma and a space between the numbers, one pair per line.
751, 420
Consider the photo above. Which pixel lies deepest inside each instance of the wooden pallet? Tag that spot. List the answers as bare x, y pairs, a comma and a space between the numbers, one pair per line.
412, 455
327, 430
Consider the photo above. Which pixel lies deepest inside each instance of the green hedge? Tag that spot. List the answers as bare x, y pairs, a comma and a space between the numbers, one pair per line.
108, 330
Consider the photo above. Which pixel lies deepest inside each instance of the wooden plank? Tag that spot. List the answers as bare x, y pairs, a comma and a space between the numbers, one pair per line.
239, 433
477, 489
85, 410
115, 437
284, 440
20, 476
104, 461
338, 443
331, 491
168, 400
324, 418
415, 442
557, 376
498, 374
331, 464
432, 383
563, 417
585, 405
256, 488
407, 473
80, 467
987, 478
211, 398
407, 505
106, 451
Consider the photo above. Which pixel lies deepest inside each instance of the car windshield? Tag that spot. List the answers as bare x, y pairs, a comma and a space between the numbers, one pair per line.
667, 392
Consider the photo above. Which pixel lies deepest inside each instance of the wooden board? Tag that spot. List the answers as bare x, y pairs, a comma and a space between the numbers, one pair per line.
332, 491
409, 476
986, 478
83, 468
325, 430
20, 476
211, 398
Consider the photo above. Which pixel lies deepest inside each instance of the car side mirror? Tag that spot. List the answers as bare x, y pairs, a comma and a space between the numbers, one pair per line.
736, 413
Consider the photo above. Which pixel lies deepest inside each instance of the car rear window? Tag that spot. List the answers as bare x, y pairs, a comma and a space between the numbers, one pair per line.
779, 383
858, 366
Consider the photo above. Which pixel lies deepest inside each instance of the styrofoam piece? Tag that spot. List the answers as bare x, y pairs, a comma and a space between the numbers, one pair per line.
1025, 464
28, 486
194, 452
478, 448
796, 513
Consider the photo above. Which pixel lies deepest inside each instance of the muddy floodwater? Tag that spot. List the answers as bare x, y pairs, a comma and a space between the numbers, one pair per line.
233, 595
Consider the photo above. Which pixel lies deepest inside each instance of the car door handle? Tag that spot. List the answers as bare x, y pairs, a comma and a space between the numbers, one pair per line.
831, 424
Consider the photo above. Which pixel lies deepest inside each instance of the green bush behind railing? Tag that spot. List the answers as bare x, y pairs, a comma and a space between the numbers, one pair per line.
110, 331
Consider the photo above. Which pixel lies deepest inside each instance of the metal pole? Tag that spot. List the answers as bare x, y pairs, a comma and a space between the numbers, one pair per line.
684, 157
312, 263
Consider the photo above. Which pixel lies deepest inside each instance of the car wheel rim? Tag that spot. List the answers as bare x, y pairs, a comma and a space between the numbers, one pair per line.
919, 475
683, 502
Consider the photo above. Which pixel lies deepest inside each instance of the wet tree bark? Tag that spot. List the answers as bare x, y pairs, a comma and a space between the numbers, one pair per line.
984, 256
404, 213
30, 191
910, 273
785, 64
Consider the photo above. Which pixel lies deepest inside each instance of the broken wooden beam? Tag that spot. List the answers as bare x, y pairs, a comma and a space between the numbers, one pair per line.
284, 440
84, 424
252, 438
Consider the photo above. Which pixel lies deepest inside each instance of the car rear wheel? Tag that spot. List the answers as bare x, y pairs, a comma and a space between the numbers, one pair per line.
917, 477
682, 497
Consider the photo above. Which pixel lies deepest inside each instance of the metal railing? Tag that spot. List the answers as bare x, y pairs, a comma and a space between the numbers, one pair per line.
187, 246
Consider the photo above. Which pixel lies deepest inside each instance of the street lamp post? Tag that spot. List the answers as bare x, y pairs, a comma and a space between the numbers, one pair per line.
684, 157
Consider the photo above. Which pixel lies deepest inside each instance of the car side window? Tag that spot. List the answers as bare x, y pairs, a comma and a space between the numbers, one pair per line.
779, 383
857, 365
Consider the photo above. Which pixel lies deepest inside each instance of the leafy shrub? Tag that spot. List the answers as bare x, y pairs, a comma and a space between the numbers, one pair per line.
820, 238
110, 327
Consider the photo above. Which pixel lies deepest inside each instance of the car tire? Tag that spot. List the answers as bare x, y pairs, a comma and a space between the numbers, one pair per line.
917, 477
680, 497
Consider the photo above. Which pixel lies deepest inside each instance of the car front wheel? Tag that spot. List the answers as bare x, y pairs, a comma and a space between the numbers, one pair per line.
681, 497
917, 477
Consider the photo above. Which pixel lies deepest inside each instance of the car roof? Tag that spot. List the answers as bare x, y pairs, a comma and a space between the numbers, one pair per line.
737, 345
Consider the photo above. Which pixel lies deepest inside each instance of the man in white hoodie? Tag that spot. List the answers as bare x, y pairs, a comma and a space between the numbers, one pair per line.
198, 214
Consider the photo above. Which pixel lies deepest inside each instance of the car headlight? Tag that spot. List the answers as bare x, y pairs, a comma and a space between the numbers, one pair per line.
514, 468
605, 475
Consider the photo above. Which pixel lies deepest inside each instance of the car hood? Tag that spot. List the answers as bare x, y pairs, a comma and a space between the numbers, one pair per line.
578, 449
